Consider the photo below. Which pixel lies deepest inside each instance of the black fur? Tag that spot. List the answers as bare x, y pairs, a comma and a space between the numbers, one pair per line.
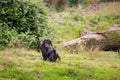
50, 54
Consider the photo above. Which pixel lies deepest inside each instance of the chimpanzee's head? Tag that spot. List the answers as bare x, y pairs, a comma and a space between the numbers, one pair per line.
47, 43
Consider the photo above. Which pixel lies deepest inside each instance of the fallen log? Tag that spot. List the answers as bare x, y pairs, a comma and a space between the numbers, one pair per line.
107, 41
114, 46
86, 36
78, 41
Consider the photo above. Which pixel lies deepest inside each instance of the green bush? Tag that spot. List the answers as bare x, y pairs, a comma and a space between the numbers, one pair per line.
23, 23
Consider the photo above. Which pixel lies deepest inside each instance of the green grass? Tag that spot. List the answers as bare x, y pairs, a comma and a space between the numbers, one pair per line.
28, 65
22, 64
72, 21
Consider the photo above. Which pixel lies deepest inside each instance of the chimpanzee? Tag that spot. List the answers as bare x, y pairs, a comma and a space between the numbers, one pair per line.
48, 52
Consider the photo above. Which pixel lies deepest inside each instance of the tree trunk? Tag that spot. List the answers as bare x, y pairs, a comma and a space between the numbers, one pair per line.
107, 41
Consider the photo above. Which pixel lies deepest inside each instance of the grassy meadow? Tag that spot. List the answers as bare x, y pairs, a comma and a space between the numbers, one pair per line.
72, 21
21, 64
27, 64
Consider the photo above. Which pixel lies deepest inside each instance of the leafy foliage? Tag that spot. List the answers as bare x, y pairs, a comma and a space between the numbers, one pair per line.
22, 23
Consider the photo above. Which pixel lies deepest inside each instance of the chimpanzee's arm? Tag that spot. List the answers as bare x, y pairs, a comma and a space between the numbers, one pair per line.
51, 50
43, 49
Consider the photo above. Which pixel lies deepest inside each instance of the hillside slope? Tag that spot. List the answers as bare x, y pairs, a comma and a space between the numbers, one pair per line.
21, 64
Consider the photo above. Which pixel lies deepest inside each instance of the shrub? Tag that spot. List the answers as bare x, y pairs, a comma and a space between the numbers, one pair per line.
23, 23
